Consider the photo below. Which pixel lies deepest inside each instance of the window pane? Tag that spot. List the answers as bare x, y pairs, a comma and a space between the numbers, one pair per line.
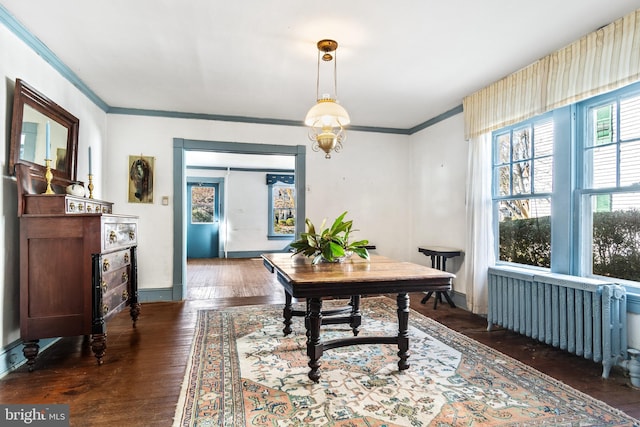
543, 175
602, 125
543, 145
504, 148
616, 235
525, 231
202, 210
604, 166
630, 163
521, 144
284, 209
522, 178
630, 118
504, 181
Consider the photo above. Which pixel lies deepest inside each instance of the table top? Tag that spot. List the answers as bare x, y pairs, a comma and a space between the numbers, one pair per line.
355, 276
440, 251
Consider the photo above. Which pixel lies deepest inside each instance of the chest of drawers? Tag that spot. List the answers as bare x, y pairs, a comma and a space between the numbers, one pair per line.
77, 269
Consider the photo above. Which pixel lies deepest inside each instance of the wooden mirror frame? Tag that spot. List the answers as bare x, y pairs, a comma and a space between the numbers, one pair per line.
27, 95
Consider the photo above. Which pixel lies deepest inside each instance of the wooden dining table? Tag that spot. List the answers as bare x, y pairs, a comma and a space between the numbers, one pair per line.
351, 278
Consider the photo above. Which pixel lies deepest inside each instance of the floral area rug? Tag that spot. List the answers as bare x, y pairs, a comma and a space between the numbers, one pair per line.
244, 372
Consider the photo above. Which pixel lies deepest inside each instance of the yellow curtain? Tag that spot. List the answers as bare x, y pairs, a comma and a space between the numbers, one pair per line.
599, 62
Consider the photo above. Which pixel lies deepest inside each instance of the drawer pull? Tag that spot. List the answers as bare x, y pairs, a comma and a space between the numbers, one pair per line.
105, 287
105, 265
72, 207
105, 309
113, 238
80, 207
126, 258
125, 295
124, 277
132, 235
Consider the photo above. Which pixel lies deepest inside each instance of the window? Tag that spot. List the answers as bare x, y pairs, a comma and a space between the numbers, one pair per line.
566, 188
202, 204
522, 177
282, 206
610, 185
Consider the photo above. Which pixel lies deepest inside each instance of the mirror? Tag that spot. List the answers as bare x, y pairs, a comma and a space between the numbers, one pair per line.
31, 113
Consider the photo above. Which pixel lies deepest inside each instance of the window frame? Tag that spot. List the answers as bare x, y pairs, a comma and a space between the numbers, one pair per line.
273, 182
495, 190
583, 256
570, 211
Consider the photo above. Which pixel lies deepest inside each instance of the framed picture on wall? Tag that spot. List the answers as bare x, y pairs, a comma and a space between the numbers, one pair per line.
141, 169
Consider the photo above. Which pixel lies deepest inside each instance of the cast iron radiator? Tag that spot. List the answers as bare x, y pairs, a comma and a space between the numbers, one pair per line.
583, 316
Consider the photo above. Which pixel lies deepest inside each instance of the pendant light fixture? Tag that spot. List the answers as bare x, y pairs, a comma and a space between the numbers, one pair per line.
327, 118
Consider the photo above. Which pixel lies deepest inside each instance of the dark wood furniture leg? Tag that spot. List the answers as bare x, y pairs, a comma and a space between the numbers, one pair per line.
30, 350
356, 315
99, 346
134, 305
287, 312
314, 346
403, 330
439, 262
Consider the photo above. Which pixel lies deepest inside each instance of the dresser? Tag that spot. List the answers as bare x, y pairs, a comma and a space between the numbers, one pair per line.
78, 268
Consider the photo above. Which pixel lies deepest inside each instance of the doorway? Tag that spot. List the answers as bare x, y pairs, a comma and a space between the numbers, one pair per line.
180, 147
204, 214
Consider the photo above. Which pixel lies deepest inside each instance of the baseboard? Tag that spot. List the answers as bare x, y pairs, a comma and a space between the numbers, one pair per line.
11, 356
157, 294
252, 254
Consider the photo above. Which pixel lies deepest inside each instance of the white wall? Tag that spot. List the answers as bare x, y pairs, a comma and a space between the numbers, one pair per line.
19, 61
369, 178
438, 165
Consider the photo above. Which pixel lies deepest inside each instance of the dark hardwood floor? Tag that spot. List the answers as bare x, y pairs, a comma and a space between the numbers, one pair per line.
140, 380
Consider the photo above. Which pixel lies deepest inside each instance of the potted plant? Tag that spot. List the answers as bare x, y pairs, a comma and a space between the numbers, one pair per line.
330, 244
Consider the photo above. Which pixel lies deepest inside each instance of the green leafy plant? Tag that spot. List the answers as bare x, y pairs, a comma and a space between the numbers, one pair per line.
330, 244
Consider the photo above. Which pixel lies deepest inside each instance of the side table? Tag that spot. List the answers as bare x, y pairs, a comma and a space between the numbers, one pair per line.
439, 256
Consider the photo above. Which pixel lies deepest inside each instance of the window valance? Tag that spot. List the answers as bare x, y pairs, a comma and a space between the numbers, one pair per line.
599, 62
285, 179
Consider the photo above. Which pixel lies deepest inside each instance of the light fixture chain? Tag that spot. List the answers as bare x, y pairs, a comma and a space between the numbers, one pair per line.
318, 78
335, 74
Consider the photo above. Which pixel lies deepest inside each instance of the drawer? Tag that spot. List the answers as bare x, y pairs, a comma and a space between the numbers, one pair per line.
114, 261
97, 207
119, 233
113, 279
115, 299
75, 206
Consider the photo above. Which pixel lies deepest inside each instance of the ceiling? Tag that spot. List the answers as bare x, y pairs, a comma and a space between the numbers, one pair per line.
400, 63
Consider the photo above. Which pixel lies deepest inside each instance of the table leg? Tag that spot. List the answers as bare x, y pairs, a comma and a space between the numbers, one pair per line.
426, 297
356, 316
403, 330
314, 346
287, 313
448, 298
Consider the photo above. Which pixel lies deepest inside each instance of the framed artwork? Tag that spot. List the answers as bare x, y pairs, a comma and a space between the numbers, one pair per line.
141, 170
